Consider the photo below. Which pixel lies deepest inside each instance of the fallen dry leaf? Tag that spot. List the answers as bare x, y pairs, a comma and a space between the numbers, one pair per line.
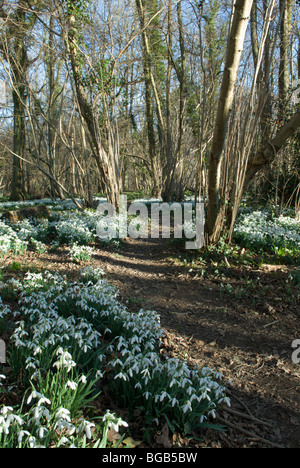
163, 438
113, 435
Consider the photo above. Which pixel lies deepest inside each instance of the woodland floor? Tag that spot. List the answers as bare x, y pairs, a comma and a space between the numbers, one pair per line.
246, 337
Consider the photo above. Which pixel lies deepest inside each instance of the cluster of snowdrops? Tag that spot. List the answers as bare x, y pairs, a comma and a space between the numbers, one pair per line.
70, 338
261, 229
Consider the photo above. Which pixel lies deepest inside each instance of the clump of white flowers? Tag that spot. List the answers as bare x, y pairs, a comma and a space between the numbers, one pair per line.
10, 242
81, 253
67, 326
261, 229
61, 204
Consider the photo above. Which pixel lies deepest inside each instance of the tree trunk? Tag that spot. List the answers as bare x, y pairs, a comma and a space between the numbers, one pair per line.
149, 87
177, 182
17, 189
167, 170
284, 78
19, 66
268, 152
107, 162
215, 210
51, 109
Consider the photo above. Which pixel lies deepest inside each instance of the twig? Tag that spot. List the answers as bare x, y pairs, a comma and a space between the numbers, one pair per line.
248, 416
240, 401
269, 324
247, 433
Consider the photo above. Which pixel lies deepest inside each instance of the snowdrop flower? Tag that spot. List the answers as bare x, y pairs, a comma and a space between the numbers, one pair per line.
86, 426
117, 362
2, 377
187, 407
31, 363
63, 424
174, 402
3, 426
108, 415
173, 382
16, 418
121, 376
65, 361
227, 401
32, 442
38, 413
38, 350
71, 385
22, 434
163, 396
5, 410
114, 422
42, 431
63, 413
34, 394
83, 379
64, 441
116, 425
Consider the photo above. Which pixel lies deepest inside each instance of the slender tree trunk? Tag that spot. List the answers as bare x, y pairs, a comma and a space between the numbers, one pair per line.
51, 110
298, 61
177, 183
254, 38
107, 162
173, 180
19, 66
17, 189
149, 85
199, 182
284, 78
167, 171
215, 210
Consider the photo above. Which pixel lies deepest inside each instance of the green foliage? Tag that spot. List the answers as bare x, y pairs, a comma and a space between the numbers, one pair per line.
157, 44
16, 266
78, 9
295, 278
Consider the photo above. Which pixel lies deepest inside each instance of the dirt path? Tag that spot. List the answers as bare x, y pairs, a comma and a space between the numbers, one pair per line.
251, 349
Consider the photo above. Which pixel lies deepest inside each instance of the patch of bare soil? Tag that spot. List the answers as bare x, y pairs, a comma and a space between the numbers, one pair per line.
246, 337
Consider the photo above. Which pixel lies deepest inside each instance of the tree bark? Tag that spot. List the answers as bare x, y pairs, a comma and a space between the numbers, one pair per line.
284, 78
107, 162
269, 151
149, 87
19, 66
215, 215
51, 109
167, 170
